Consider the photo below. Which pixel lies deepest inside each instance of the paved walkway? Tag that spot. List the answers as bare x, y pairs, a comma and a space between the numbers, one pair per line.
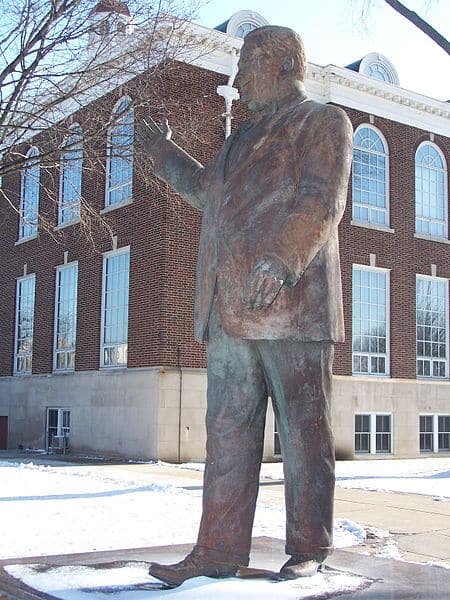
420, 525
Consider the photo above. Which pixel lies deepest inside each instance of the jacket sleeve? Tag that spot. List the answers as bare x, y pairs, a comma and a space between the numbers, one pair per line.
180, 171
324, 170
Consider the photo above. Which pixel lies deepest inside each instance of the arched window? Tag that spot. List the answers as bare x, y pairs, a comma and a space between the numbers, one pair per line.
71, 173
431, 192
370, 177
119, 168
29, 200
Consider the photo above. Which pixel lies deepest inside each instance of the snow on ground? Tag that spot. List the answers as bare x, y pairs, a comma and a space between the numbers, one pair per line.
67, 509
427, 476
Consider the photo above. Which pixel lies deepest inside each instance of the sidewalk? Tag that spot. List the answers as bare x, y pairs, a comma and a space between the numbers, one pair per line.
419, 524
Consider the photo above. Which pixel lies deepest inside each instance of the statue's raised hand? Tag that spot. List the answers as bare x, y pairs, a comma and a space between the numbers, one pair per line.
148, 132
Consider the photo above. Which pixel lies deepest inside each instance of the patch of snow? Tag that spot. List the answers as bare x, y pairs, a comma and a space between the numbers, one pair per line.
390, 550
87, 583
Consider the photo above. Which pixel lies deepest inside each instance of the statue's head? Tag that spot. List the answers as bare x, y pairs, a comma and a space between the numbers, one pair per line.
271, 60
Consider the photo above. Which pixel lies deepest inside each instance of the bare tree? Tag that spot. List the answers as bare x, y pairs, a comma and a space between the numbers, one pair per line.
59, 56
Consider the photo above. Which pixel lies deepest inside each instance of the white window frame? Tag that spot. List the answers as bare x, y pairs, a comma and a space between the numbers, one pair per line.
447, 333
62, 204
445, 199
373, 433
386, 210
33, 159
62, 431
387, 356
435, 434
108, 188
57, 351
18, 354
103, 345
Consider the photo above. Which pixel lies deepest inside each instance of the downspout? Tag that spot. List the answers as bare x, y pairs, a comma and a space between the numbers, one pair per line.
229, 93
180, 397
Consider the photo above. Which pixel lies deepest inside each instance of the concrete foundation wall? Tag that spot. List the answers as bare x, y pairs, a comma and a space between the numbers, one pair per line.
112, 412
404, 399
160, 413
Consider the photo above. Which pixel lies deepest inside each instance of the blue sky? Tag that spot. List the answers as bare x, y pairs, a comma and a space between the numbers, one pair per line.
334, 34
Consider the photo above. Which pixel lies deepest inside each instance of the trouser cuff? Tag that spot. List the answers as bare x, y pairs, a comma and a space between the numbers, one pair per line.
310, 552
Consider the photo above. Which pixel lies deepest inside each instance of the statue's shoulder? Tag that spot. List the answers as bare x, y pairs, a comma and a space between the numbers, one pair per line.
312, 114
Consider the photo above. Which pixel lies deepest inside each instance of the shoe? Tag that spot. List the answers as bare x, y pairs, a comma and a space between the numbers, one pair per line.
300, 566
196, 564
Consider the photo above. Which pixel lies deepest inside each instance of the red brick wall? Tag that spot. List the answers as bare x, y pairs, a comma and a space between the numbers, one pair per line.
401, 252
163, 231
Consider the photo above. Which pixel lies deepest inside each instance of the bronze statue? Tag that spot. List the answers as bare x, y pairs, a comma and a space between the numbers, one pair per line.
268, 303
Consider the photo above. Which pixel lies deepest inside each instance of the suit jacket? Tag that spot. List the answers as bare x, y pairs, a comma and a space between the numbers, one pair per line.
276, 190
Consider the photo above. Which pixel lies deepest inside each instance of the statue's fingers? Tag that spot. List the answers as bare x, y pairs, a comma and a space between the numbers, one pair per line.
167, 131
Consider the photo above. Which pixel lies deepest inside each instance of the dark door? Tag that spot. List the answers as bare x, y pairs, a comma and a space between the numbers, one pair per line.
3, 433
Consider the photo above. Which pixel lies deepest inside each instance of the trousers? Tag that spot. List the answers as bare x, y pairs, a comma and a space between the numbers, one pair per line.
242, 374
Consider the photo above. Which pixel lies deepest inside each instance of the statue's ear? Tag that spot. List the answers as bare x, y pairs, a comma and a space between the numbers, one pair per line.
288, 64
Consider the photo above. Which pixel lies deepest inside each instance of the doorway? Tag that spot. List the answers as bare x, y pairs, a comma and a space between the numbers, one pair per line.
58, 428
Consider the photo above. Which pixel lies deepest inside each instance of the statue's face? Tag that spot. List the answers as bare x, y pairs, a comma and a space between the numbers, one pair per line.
257, 76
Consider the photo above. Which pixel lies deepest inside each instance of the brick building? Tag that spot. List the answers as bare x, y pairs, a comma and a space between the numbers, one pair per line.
97, 346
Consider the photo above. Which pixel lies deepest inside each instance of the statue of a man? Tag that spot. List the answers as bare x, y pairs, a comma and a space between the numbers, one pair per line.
268, 303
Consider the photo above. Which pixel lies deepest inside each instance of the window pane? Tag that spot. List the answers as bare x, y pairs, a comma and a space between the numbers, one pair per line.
29, 203
431, 327
369, 177
115, 309
369, 318
430, 178
120, 155
66, 316
71, 175
23, 348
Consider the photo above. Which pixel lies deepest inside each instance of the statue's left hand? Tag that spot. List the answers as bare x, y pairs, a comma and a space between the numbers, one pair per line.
264, 283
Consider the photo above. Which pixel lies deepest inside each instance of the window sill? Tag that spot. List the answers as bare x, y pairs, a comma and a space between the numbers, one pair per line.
375, 226
63, 371
105, 368
22, 374
372, 375
64, 225
431, 238
108, 209
27, 239
433, 379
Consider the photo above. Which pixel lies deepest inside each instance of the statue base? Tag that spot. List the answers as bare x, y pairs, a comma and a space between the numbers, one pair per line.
123, 573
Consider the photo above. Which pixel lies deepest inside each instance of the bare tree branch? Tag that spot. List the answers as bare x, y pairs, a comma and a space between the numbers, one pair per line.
423, 25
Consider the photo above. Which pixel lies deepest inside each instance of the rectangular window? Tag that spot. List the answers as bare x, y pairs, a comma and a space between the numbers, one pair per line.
434, 433
65, 317
432, 327
426, 430
23, 345
114, 338
444, 433
370, 325
29, 199
362, 434
373, 434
